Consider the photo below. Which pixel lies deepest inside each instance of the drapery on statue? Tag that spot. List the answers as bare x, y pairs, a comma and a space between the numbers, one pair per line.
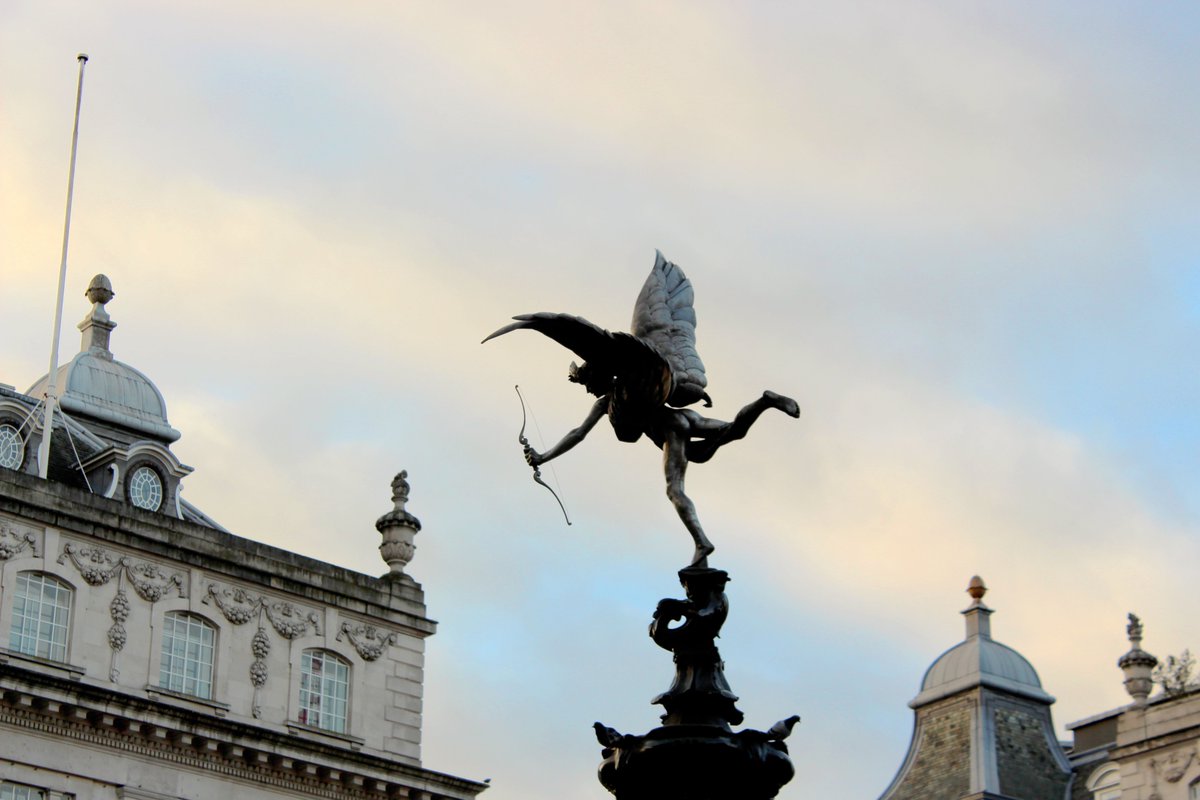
643, 380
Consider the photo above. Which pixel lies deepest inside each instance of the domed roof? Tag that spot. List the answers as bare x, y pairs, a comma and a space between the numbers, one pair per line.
111, 391
980, 661
97, 385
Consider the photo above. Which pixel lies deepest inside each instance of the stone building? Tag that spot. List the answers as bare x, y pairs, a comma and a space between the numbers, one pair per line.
983, 730
146, 652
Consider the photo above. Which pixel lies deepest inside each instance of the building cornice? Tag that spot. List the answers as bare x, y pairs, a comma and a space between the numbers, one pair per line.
71, 510
38, 703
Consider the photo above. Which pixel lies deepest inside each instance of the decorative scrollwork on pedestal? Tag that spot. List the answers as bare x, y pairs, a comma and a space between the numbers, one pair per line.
14, 541
368, 640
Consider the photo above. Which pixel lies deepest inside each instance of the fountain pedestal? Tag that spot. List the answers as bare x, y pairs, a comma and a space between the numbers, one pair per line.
696, 754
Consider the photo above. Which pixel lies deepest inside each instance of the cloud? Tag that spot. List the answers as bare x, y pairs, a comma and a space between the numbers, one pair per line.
956, 235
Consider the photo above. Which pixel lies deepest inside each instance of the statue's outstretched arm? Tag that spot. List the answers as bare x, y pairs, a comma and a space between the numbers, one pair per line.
573, 437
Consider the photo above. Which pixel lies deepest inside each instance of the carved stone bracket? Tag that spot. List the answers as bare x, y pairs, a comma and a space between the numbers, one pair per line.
14, 541
97, 567
289, 621
368, 640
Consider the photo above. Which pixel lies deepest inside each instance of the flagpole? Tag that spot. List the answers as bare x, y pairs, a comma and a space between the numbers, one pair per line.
52, 388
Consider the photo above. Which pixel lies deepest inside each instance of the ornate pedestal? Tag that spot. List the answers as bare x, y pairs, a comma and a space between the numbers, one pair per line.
696, 755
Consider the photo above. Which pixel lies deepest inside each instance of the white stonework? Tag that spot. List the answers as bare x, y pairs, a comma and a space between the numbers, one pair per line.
84, 711
98, 724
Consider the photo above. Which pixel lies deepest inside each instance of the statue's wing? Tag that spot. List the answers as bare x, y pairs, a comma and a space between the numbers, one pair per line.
616, 353
665, 319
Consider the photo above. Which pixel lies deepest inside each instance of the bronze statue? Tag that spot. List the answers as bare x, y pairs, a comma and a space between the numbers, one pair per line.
643, 380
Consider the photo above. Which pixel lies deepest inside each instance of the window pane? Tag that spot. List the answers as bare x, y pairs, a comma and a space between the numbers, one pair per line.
324, 690
19, 791
41, 616
187, 663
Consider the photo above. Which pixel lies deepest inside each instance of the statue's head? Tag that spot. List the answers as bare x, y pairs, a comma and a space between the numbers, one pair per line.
590, 378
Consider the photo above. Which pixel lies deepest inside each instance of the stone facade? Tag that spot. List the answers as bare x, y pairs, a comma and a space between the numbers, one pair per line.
103, 709
146, 652
1153, 746
983, 730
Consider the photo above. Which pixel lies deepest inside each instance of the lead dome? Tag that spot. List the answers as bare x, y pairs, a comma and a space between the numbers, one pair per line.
97, 385
979, 660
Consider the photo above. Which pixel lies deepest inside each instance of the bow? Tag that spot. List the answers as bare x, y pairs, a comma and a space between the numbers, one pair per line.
537, 472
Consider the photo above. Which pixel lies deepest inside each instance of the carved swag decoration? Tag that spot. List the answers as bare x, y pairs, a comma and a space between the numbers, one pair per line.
149, 581
369, 641
14, 541
289, 621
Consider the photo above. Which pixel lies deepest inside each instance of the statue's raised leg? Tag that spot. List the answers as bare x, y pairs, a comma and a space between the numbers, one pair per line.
712, 434
675, 466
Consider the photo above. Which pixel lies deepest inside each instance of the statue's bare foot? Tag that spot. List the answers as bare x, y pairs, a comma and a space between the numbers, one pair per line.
785, 404
702, 553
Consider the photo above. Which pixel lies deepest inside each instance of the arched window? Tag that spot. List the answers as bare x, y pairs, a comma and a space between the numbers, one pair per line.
324, 690
1105, 783
41, 616
187, 655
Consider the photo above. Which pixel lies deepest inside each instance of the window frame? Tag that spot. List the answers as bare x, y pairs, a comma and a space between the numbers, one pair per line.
28, 791
177, 650
131, 472
23, 448
56, 651
1105, 782
326, 692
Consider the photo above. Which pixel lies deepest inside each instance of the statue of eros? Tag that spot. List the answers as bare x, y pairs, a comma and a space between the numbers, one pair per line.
643, 382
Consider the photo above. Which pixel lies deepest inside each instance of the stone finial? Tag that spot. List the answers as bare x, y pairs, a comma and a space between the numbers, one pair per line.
100, 290
398, 527
977, 614
97, 326
1134, 630
1137, 664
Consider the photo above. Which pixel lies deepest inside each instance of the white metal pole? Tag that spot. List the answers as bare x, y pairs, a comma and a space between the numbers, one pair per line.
52, 388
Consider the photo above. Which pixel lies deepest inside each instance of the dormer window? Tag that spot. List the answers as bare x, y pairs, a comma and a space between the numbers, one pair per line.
145, 488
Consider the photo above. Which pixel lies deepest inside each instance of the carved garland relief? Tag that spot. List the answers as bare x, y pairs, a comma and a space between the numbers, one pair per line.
368, 640
15, 540
150, 582
289, 621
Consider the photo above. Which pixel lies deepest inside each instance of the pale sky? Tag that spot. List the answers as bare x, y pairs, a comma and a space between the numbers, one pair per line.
962, 235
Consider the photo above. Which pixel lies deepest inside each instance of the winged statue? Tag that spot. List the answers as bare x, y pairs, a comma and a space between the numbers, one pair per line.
644, 380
